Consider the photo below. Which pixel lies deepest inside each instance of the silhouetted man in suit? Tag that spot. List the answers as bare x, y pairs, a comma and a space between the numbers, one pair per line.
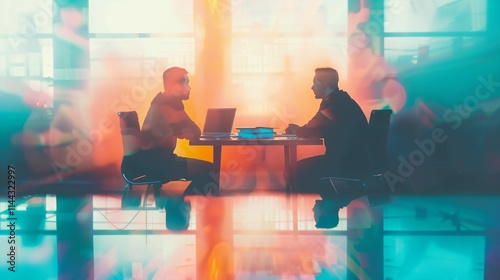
342, 124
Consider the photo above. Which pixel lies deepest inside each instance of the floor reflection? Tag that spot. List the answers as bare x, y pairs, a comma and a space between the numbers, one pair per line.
254, 237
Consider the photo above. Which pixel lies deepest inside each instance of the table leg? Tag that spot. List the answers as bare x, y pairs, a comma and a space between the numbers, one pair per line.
287, 169
293, 184
217, 157
293, 167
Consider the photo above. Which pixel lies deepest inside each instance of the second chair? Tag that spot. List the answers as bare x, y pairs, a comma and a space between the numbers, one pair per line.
378, 130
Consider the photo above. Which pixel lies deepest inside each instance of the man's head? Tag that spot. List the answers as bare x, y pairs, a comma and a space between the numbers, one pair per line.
326, 81
176, 82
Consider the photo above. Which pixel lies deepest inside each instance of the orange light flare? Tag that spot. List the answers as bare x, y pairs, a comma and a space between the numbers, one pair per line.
215, 247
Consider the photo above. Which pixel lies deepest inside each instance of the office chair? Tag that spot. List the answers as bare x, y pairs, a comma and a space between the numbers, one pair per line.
133, 168
378, 130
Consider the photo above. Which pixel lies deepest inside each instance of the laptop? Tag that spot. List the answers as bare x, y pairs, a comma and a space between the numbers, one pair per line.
218, 122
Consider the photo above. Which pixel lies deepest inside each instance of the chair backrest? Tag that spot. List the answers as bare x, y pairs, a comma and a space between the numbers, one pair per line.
130, 130
129, 120
136, 164
378, 130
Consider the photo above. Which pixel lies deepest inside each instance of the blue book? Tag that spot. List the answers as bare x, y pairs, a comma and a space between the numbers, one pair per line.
256, 132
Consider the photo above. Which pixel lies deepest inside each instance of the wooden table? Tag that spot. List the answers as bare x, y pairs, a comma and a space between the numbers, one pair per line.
289, 143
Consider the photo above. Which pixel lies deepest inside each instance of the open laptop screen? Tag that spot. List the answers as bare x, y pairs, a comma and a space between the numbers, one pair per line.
219, 121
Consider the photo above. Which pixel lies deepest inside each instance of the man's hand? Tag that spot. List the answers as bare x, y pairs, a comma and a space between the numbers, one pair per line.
292, 128
190, 133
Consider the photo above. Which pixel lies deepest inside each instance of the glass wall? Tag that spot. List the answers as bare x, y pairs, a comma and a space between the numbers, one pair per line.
26, 50
419, 31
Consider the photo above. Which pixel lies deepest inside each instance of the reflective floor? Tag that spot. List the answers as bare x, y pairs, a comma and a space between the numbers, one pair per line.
258, 236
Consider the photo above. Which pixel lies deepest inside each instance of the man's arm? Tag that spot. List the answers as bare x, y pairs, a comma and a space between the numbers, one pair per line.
318, 125
165, 122
186, 129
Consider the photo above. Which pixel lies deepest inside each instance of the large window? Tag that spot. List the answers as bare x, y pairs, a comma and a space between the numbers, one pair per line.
419, 31
413, 50
434, 257
129, 50
272, 41
130, 57
26, 49
140, 16
144, 257
270, 213
275, 256
34, 239
433, 232
141, 45
435, 15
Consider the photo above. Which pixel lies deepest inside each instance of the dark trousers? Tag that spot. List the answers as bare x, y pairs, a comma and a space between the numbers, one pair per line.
199, 172
158, 164
309, 172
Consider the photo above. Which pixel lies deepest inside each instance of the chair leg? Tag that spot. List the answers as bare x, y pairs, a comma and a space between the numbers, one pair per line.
333, 185
128, 198
125, 191
157, 196
145, 202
